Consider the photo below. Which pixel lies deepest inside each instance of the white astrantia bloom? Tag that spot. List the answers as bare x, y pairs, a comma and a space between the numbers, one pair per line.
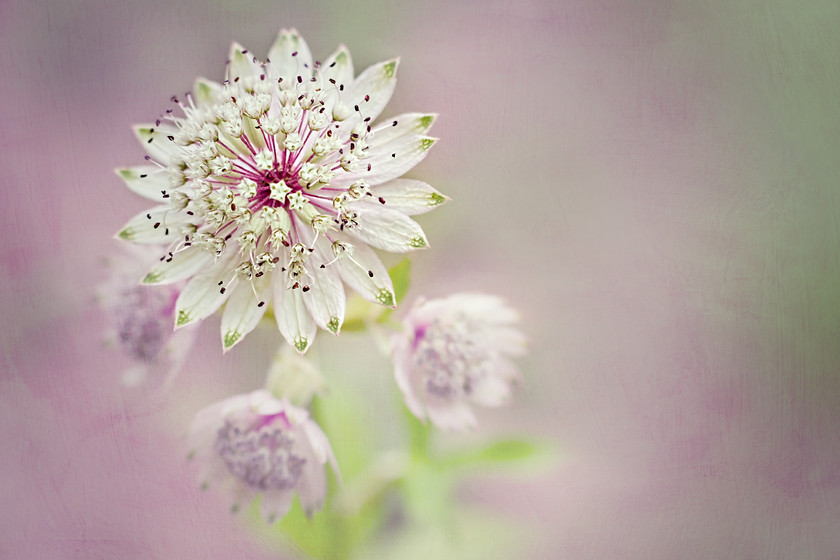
139, 320
456, 351
273, 186
255, 444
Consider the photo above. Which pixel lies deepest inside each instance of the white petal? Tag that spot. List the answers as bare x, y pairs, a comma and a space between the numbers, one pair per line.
407, 125
156, 141
387, 166
488, 309
325, 298
454, 416
275, 504
339, 67
160, 224
213, 473
204, 427
242, 311
290, 57
202, 295
401, 354
237, 404
509, 340
406, 195
241, 494
321, 446
149, 181
494, 389
293, 318
377, 84
262, 402
312, 488
242, 62
182, 264
206, 92
376, 287
387, 229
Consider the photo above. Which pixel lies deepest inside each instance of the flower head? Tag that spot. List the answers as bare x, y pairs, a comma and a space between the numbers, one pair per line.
272, 185
140, 319
456, 351
255, 444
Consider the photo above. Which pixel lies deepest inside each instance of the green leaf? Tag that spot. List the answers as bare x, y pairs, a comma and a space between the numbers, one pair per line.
400, 277
419, 434
509, 452
358, 313
464, 534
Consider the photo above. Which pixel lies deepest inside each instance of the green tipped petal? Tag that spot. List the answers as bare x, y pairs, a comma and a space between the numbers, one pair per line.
385, 297
182, 319
231, 338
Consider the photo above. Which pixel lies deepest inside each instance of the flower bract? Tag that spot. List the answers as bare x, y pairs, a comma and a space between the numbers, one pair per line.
456, 351
273, 186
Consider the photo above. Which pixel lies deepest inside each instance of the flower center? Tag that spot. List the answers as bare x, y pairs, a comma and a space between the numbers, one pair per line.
262, 457
260, 164
448, 358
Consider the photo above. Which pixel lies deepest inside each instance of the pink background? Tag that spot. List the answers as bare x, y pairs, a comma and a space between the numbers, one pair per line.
653, 183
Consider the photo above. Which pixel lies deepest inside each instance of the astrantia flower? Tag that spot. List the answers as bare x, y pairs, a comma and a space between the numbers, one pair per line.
456, 351
273, 185
255, 445
140, 319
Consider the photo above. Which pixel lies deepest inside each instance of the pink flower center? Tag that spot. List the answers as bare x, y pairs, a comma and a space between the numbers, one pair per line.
263, 457
448, 358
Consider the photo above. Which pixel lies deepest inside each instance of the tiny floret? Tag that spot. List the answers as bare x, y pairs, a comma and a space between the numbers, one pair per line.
256, 444
284, 152
454, 352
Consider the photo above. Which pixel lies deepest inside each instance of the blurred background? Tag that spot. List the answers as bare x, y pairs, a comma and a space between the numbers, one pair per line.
654, 184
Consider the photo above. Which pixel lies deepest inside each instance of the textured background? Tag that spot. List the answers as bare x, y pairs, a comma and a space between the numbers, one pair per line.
655, 185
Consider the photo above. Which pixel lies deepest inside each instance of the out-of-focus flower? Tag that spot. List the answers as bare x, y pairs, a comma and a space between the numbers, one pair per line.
139, 319
272, 186
293, 377
456, 351
256, 444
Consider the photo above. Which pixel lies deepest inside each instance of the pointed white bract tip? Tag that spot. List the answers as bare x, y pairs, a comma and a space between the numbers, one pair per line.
230, 339
301, 344
455, 352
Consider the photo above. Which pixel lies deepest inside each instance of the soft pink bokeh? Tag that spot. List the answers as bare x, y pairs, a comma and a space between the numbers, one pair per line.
653, 183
